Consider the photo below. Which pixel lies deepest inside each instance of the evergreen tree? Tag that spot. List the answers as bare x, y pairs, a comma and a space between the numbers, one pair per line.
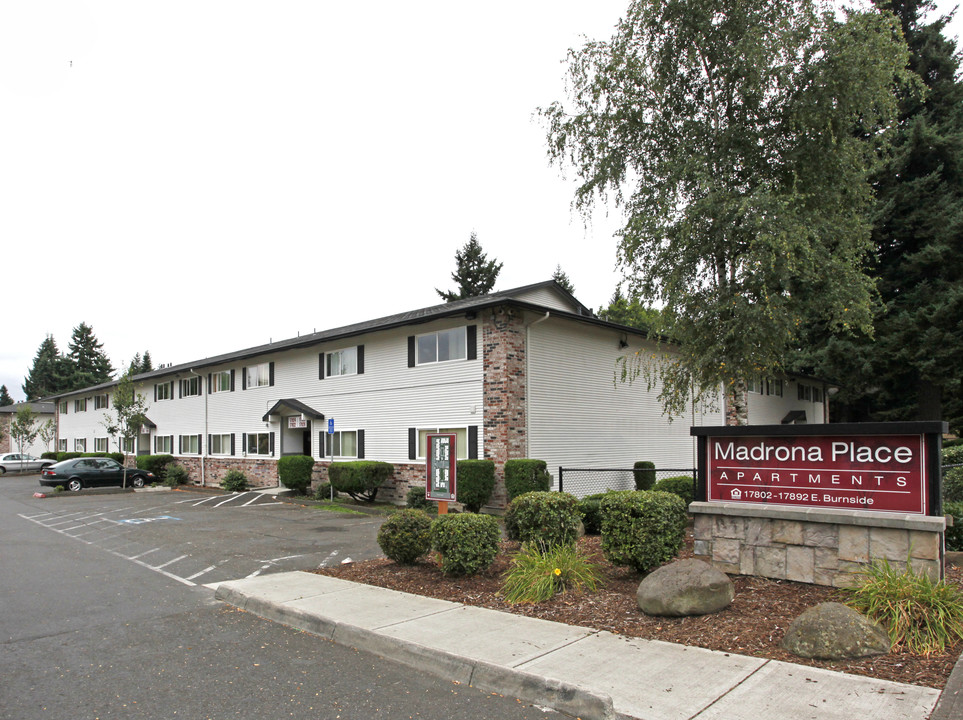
562, 279
146, 364
89, 364
5, 398
911, 368
629, 312
48, 374
474, 273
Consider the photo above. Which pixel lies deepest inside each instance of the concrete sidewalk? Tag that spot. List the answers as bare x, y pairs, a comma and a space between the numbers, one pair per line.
581, 672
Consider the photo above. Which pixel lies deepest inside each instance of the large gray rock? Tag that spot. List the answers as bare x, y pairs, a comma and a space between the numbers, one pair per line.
832, 631
685, 587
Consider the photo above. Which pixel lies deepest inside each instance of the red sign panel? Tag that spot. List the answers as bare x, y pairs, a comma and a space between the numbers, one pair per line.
884, 473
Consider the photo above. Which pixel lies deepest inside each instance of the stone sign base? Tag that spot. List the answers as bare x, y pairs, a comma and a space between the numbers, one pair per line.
819, 546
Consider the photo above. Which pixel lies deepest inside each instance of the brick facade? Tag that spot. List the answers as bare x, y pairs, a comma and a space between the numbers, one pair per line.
260, 472
5, 441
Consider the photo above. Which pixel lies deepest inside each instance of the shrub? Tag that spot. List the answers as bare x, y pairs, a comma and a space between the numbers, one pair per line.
522, 476
642, 529
590, 507
405, 536
922, 615
644, 473
156, 464
476, 482
294, 472
538, 573
680, 485
361, 478
954, 535
67, 456
468, 542
176, 475
234, 481
953, 477
48, 456
119, 457
416, 500
324, 492
551, 518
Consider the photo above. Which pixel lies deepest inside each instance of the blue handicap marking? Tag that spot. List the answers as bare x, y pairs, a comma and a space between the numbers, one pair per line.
141, 521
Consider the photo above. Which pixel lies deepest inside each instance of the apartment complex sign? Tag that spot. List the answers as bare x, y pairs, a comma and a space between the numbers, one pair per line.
824, 466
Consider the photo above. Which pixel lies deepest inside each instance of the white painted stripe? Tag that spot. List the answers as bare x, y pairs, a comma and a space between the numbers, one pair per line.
230, 498
169, 562
202, 572
146, 552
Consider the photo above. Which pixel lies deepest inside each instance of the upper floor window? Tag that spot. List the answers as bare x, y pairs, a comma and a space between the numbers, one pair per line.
817, 395
164, 391
260, 375
805, 392
774, 387
101, 402
442, 346
190, 386
221, 381
80, 405
63, 411
342, 362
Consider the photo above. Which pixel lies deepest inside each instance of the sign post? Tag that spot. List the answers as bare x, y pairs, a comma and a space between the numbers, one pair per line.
330, 432
440, 467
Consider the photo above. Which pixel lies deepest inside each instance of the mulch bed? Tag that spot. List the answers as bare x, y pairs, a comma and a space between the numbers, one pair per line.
754, 624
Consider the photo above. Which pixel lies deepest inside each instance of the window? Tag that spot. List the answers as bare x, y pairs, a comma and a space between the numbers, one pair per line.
343, 443
754, 385
190, 386
461, 441
221, 381
259, 375
189, 444
257, 443
220, 444
80, 445
63, 409
164, 391
442, 346
163, 444
80, 405
62, 445
817, 395
101, 402
805, 392
127, 445
100, 444
774, 387
342, 362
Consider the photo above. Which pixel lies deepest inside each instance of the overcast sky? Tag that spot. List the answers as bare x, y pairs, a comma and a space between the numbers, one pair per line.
193, 178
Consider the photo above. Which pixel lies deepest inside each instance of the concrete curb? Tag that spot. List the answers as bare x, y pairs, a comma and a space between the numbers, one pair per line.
950, 704
565, 697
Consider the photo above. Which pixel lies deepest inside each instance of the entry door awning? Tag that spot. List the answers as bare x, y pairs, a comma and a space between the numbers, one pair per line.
293, 405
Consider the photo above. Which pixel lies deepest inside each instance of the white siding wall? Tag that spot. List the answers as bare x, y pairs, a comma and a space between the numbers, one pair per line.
385, 401
771, 409
547, 297
581, 416
86, 425
37, 446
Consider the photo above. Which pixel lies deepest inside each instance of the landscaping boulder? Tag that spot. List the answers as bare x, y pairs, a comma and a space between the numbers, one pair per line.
685, 587
832, 631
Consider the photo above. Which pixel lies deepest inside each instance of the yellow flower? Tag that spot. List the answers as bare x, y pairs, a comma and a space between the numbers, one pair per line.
557, 571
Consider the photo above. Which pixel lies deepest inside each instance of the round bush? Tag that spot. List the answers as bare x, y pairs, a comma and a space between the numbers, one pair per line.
324, 492
415, 499
176, 475
954, 535
551, 518
360, 478
590, 508
234, 481
476, 482
468, 543
644, 474
294, 472
525, 475
680, 485
642, 529
405, 536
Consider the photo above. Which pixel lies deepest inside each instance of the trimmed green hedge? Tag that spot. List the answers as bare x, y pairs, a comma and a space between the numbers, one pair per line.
680, 485
642, 529
526, 475
294, 472
954, 535
590, 507
953, 478
644, 473
360, 478
416, 500
476, 482
405, 536
468, 542
48, 455
61, 456
549, 518
156, 464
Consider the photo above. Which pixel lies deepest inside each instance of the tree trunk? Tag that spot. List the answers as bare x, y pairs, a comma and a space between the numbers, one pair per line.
737, 404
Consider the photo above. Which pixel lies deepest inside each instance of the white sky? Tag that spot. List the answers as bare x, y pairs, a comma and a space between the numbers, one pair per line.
193, 178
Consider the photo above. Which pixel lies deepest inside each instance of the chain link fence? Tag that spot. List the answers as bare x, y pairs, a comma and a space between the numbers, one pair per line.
589, 481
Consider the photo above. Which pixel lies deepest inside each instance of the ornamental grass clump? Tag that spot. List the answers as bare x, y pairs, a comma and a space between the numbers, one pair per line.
468, 543
922, 616
405, 536
538, 573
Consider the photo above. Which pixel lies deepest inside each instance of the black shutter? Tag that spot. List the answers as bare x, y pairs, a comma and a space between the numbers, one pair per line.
321, 444
232, 384
243, 378
472, 442
412, 443
232, 439
271, 379
472, 338
272, 440
180, 389
107, 400
411, 351
243, 442
361, 444
180, 444
320, 366
209, 442
200, 444
172, 393
360, 359
209, 383
155, 400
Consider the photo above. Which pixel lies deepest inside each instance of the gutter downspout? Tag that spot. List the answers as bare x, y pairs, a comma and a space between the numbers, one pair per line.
528, 375
200, 382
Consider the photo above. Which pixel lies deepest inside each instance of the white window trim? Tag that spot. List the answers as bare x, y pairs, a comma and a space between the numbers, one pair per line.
247, 443
257, 369
339, 432
419, 361
189, 438
340, 351
80, 445
161, 451
186, 382
97, 441
221, 436
461, 450
62, 445
167, 389
215, 378
80, 405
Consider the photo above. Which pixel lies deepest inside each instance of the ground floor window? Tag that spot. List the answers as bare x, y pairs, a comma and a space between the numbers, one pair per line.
258, 443
189, 444
343, 443
62, 445
221, 445
80, 445
461, 440
100, 444
163, 444
127, 444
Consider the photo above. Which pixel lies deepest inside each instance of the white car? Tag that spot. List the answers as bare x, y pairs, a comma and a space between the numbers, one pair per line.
15, 462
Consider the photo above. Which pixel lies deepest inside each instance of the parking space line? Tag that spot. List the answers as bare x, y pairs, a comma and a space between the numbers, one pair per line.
147, 552
169, 562
172, 576
229, 499
202, 572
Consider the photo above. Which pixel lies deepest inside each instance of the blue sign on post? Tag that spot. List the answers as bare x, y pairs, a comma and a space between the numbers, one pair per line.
330, 426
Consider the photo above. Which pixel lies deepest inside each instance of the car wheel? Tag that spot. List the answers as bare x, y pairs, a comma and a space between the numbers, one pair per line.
3, 470
137, 482
74, 485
